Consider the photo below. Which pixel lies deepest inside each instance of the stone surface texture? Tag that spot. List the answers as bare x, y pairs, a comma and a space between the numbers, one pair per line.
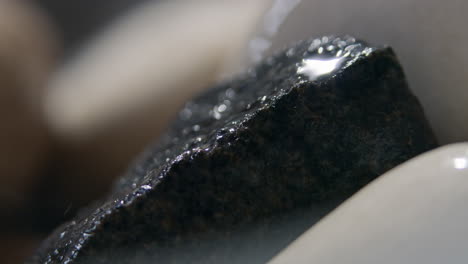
264, 144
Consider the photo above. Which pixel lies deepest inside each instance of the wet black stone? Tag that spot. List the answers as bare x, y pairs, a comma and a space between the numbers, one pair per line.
279, 138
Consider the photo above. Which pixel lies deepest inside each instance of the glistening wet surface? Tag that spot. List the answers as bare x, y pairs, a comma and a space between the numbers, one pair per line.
305, 128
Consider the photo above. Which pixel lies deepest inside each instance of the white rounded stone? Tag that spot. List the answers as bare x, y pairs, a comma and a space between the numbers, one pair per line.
414, 213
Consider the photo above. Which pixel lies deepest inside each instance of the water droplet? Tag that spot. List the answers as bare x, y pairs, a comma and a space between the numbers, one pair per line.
230, 93
315, 44
316, 67
185, 114
196, 128
350, 40
221, 108
216, 115
351, 48
146, 187
341, 44
62, 235
367, 51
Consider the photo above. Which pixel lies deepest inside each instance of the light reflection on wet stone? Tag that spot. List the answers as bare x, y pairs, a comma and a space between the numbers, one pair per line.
314, 68
285, 141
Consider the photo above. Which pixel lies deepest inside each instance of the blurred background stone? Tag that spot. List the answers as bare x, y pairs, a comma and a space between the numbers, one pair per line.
28, 50
79, 21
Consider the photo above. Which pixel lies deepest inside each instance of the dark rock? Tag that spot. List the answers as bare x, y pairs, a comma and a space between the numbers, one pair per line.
310, 125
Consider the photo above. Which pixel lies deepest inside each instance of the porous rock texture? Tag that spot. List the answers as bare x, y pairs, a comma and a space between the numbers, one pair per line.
311, 124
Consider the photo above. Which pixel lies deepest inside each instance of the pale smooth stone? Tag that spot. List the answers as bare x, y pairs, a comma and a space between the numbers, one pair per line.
415, 213
120, 92
149, 61
429, 38
27, 52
